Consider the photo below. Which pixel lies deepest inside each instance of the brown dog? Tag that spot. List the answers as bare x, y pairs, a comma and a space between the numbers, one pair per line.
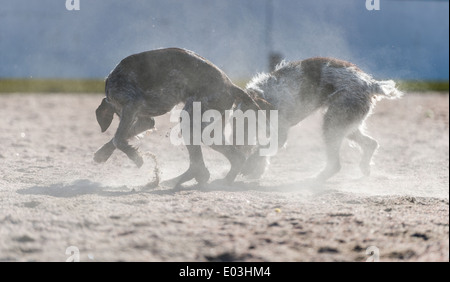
150, 84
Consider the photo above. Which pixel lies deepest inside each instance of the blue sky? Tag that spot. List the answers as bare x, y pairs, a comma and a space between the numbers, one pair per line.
403, 40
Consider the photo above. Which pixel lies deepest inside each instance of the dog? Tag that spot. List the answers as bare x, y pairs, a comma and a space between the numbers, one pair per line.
297, 89
150, 84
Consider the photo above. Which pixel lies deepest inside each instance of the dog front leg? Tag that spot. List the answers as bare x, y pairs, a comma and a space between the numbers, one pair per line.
197, 168
236, 159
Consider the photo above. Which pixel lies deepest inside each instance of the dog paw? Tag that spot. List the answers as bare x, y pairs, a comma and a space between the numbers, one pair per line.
100, 156
138, 160
221, 182
202, 176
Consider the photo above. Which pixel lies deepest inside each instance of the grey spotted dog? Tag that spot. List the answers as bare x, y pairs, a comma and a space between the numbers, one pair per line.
297, 89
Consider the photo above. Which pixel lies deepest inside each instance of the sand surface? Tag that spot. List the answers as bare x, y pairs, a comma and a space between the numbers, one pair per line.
57, 204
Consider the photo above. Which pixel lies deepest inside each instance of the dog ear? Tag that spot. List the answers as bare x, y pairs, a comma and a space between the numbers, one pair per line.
105, 114
264, 104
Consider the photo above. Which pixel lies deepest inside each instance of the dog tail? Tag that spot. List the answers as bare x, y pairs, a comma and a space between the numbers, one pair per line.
386, 89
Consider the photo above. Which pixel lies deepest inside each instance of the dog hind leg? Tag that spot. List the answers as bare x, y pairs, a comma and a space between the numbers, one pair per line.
344, 115
127, 119
333, 140
368, 146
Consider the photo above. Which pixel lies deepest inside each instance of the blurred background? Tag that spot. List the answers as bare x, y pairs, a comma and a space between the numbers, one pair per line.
46, 48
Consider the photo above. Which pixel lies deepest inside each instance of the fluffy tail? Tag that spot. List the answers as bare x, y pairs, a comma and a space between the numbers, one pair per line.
386, 89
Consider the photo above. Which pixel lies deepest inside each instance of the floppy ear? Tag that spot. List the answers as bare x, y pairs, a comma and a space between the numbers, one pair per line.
246, 97
264, 104
261, 103
105, 114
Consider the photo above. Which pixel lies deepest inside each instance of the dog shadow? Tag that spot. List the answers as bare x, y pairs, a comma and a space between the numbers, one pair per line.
307, 185
77, 188
87, 187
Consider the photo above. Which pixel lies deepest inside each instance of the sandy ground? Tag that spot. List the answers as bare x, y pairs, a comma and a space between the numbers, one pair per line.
57, 204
